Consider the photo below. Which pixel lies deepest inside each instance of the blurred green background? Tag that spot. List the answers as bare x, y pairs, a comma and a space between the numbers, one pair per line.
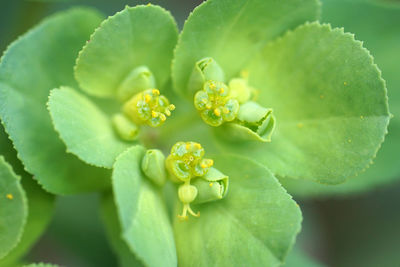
360, 229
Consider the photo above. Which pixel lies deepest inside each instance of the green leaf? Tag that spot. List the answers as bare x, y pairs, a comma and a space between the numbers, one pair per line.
297, 258
379, 28
40, 265
145, 224
330, 105
40, 207
254, 225
113, 230
138, 36
13, 208
232, 31
37, 62
86, 130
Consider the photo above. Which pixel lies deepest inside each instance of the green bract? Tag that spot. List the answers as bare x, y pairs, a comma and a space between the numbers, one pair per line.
23, 100
130, 52
330, 119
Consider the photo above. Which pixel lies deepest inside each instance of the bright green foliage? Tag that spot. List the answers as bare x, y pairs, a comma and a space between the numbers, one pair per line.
331, 119
232, 31
28, 71
13, 208
113, 230
378, 27
256, 209
136, 36
142, 213
85, 129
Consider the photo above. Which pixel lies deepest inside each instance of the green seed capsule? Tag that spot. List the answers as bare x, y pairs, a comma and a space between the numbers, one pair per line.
153, 166
212, 186
204, 70
187, 193
186, 161
139, 79
124, 127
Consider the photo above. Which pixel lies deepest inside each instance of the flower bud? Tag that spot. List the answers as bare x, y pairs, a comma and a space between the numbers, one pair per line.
139, 79
153, 166
204, 70
124, 127
240, 90
148, 107
212, 186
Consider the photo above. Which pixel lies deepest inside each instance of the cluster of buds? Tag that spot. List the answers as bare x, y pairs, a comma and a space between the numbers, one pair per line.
230, 105
201, 182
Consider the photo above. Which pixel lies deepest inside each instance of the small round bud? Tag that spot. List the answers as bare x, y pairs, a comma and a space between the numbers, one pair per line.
187, 193
139, 79
124, 127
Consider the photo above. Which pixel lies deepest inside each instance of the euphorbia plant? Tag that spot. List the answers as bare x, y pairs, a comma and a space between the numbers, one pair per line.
290, 97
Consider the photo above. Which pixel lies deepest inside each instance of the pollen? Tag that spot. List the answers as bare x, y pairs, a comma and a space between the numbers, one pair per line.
147, 98
148, 107
221, 90
9, 196
212, 85
197, 145
210, 184
217, 112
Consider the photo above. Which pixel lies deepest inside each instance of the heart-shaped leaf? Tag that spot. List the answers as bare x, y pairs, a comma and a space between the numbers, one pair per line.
256, 210
145, 224
329, 101
136, 36
232, 31
85, 129
37, 62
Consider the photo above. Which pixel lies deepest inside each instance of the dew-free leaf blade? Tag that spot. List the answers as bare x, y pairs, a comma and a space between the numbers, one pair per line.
145, 224
113, 230
37, 62
40, 211
256, 210
136, 36
232, 31
330, 105
85, 129
13, 208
